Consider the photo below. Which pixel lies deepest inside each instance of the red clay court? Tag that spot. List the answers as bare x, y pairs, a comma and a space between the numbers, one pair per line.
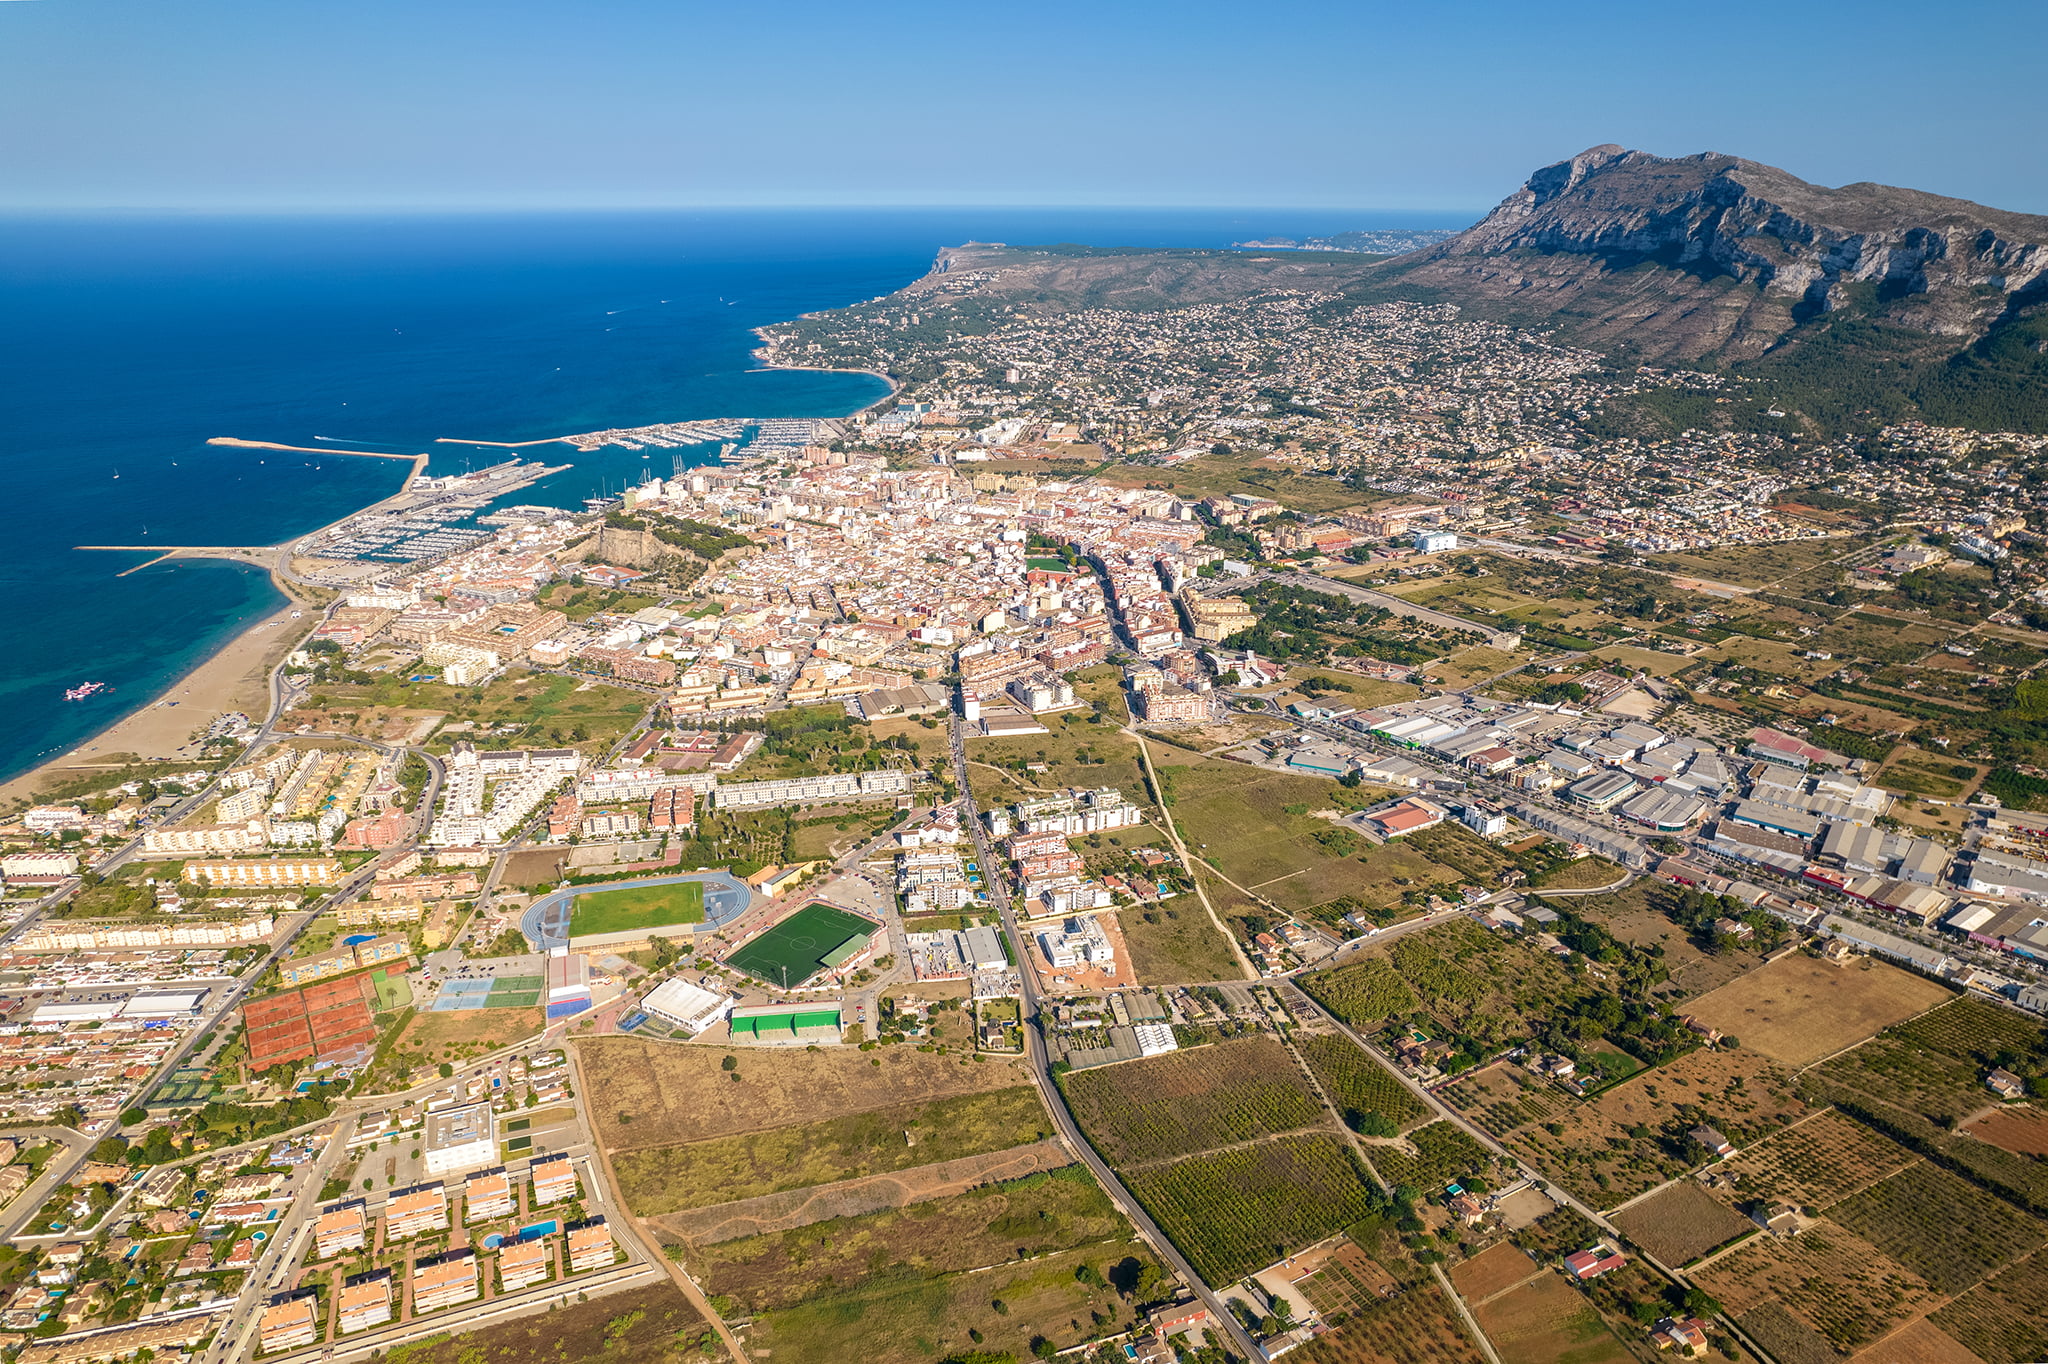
321, 1021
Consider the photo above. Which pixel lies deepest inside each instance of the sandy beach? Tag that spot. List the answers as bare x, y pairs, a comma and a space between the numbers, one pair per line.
234, 677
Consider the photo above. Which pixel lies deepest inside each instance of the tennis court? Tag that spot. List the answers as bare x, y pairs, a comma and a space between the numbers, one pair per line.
815, 938
489, 992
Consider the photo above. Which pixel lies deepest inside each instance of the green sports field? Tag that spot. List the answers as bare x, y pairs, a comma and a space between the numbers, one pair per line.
637, 907
802, 945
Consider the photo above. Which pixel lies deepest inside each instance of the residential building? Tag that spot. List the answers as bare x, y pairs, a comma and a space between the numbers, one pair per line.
445, 1280
590, 1245
554, 1180
365, 1301
415, 1211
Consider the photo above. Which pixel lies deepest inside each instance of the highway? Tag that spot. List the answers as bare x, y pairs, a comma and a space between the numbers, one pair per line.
1036, 1060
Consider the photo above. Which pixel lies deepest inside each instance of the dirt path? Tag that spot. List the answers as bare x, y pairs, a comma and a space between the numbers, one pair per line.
1236, 949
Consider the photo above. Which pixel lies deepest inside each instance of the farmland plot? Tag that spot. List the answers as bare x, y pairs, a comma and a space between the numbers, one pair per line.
1949, 1232
2005, 1320
1239, 1210
1359, 1086
1816, 1163
1547, 1321
1415, 1328
1196, 1099
1834, 1282
1441, 1152
1800, 1008
1681, 1223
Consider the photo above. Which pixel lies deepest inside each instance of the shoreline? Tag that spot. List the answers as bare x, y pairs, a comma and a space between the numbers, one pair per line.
236, 675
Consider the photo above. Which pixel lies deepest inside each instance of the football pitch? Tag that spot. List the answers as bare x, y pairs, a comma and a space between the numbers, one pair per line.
637, 907
802, 945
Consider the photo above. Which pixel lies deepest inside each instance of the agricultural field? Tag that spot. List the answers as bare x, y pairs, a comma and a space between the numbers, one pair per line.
1631, 1137
1039, 1215
1368, 1096
654, 1324
1920, 1342
655, 1094
1417, 1327
1829, 1280
1432, 1156
1816, 1163
1801, 1008
908, 1319
1757, 565
1259, 829
637, 907
1502, 1097
665, 1179
1945, 1230
2004, 1320
1234, 1211
1920, 1080
1681, 1223
1464, 977
2023, 1131
1547, 1321
1196, 1099
1494, 1270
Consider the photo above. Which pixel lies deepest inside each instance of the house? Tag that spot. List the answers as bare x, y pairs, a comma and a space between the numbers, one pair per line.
1594, 1261
1688, 1335
1779, 1219
1712, 1141
2005, 1084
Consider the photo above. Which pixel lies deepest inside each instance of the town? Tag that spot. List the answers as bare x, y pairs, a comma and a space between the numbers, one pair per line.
1254, 827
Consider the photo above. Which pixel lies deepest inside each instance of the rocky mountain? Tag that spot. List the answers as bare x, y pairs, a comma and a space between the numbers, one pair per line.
1736, 256
1866, 300
1849, 307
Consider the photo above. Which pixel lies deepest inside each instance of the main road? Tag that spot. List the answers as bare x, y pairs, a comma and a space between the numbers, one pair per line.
1040, 1066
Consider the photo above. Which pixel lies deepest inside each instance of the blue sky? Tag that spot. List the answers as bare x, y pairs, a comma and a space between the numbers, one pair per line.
378, 104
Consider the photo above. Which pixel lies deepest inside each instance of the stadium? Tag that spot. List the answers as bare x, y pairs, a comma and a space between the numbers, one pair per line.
623, 914
818, 939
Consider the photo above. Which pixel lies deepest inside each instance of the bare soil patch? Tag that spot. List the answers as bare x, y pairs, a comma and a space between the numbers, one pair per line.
659, 1094
1498, 1267
855, 1197
2023, 1131
1547, 1321
1799, 1008
1920, 1343
1682, 1223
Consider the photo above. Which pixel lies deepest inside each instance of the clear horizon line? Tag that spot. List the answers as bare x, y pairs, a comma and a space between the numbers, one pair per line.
476, 209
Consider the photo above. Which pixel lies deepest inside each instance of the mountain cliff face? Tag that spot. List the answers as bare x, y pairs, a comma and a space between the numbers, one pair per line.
1712, 256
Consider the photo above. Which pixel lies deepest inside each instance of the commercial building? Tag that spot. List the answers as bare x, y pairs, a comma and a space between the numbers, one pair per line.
687, 1006
461, 1138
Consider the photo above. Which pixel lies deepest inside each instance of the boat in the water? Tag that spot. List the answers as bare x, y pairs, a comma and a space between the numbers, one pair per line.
83, 690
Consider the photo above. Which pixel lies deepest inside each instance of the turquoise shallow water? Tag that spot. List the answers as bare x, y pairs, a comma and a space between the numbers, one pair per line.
126, 342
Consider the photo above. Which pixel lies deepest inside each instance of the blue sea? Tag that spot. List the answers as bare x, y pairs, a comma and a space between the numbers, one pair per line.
126, 342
